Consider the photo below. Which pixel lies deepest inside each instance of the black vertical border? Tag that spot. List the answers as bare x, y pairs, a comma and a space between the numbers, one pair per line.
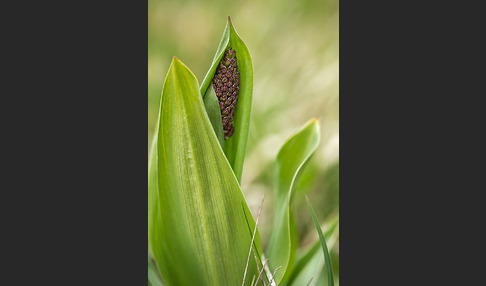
410, 143
78, 77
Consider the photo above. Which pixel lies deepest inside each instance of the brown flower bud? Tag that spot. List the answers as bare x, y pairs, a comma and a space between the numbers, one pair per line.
226, 85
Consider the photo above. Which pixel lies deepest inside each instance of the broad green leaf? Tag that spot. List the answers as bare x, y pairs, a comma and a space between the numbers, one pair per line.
310, 264
235, 147
154, 278
198, 228
290, 162
327, 257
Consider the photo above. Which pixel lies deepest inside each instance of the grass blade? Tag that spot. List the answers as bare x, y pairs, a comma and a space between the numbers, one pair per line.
235, 147
198, 231
327, 257
310, 264
291, 160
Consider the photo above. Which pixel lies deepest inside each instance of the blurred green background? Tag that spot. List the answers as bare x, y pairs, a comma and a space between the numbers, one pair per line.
295, 50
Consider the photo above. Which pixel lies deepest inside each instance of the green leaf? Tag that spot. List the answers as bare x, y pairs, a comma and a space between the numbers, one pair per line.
198, 229
291, 160
327, 257
308, 265
235, 147
154, 278
211, 104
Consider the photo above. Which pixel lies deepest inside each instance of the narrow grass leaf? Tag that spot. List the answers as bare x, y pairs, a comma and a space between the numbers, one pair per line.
309, 264
198, 232
235, 147
327, 257
291, 160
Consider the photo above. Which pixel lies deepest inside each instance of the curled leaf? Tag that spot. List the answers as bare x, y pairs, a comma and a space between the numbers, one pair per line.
212, 108
235, 146
291, 160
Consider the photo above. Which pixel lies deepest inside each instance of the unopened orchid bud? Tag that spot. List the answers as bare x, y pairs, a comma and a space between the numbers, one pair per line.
226, 86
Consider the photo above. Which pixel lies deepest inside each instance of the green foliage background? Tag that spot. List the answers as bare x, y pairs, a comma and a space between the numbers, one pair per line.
295, 50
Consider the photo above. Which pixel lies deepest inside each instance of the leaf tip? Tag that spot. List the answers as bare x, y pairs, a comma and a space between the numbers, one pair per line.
177, 62
315, 121
174, 61
229, 21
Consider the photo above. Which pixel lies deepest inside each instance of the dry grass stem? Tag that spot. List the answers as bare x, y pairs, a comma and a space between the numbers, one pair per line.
274, 272
252, 239
263, 268
252, 280
258, 267
310, 281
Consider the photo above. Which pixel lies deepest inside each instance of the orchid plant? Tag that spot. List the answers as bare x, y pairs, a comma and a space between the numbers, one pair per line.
200, 228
